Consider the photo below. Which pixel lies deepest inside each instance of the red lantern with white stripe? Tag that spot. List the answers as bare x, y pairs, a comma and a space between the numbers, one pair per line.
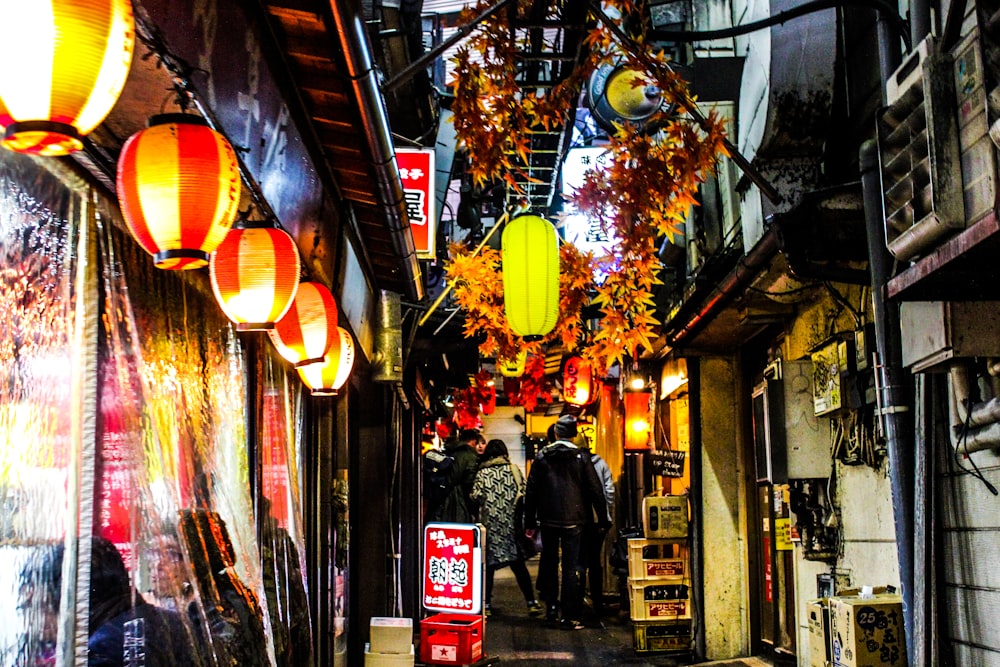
308, 329
64, 66
179, 188
255, 275
328, 376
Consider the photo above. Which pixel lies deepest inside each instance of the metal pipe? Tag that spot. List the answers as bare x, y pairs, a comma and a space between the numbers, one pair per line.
375, 123
974, 427
920, 20
895, 393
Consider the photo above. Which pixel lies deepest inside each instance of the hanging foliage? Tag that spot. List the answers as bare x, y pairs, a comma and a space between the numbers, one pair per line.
533, 386
643, 196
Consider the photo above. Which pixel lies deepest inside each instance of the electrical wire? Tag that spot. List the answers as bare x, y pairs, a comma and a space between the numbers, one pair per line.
964, 440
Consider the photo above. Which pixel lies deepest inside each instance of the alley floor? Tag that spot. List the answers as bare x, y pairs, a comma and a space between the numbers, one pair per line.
518, 639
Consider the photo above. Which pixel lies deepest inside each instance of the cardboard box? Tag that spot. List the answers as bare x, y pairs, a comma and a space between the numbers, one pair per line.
451, 639
373, 659
867, 632
391, 635
665, 516
818, 612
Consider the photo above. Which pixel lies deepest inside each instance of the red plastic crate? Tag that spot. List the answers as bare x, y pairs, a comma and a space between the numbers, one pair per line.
451, 639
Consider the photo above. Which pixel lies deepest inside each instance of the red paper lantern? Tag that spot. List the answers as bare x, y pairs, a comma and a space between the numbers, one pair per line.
638, 425
578, 381
328, 376
308, 329
255, 275
179, 188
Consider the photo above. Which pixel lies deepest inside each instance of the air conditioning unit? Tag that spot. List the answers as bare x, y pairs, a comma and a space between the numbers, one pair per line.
919, 154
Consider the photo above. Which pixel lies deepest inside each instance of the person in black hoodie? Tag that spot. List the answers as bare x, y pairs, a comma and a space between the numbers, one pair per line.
562, 491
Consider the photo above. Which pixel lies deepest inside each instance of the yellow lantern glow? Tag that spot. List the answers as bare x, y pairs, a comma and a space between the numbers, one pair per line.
308, 329
637, 421
255, 275
513, 367
530, 266
179, 188
328, 376
65, 64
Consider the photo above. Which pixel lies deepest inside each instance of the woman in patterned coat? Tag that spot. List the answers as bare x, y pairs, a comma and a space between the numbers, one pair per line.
498, 486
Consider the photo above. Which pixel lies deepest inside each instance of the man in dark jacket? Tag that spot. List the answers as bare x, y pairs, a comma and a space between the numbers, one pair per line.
562, 491
457, 506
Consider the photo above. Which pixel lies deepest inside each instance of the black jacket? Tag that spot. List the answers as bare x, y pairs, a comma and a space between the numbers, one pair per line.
563, 489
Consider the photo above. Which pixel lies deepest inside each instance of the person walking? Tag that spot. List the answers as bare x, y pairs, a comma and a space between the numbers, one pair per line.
592, 541
456, 505
562, 491
498, 486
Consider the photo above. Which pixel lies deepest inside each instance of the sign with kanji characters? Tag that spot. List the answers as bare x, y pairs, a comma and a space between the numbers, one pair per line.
453, 567
416, 168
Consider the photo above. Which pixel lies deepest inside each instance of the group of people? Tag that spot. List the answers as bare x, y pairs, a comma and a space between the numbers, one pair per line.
567, 498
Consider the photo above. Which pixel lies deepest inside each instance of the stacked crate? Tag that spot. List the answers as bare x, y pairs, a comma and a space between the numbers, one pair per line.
659, 580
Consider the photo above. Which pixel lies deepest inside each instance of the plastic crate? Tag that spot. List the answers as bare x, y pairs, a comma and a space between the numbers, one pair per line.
661, 600
642, 567
650, 636
451, 639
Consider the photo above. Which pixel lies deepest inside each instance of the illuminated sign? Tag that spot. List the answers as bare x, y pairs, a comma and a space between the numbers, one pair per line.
583, 232
453, 567
416, 169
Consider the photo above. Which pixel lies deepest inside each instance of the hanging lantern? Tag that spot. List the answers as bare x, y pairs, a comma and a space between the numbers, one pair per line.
255, 274
530, 266
308, 329
578, 381
179, 188
514, 366
637, 419
65, 64
328, 376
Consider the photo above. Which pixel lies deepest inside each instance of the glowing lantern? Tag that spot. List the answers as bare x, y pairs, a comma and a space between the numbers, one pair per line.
328, 376
307, 331
530, 266
578, 381
179, 188
255, 274
637, 420
512, 367
65, 64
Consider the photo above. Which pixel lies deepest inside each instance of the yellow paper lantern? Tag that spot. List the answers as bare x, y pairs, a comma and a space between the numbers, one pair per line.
307, 331
328, 376
255, 274
530, 266
64, 66
513, 367
179, 189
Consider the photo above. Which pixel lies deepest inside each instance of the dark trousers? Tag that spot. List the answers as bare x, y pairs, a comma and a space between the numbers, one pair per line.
561, 544
521, 574
591, 562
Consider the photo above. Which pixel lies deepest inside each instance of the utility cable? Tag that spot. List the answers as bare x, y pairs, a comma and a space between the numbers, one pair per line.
964, 440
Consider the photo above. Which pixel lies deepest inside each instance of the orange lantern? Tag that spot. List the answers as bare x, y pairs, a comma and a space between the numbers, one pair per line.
255, 274
328, 376
578, 381
65, 64
308, 329
638, 425
179, 188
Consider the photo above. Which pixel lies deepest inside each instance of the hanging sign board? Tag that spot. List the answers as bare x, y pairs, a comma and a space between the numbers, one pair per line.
668, 463
416, 169
453, 567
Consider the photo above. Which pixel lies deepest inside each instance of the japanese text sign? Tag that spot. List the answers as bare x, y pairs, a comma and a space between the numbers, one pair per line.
453, 567
416, 169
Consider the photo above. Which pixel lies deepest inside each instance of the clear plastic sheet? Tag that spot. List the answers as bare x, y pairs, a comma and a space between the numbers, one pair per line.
181, 570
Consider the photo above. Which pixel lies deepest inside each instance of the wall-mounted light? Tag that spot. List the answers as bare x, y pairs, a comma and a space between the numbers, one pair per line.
179, 188
307, 331
64, 66
255, 275
530, 265
638, 421
325, 378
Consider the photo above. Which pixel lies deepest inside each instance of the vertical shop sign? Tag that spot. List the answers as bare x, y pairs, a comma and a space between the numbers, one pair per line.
275, 482
453, 567
416, 169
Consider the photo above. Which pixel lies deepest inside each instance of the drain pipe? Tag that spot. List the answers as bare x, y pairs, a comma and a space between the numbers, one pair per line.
375, 123
974, 426
893, 383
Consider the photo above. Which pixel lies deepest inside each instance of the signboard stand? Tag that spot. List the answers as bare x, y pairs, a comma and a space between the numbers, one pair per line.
453, 590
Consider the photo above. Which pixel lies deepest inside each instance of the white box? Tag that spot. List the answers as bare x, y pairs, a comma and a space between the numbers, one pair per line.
389, 634
665, 516
388, 659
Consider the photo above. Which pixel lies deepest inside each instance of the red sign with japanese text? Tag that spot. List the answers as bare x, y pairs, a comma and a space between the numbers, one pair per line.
416, 169
453, 567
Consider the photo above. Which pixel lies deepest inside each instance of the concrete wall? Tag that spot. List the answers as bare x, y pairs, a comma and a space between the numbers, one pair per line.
503, 424
723, 511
